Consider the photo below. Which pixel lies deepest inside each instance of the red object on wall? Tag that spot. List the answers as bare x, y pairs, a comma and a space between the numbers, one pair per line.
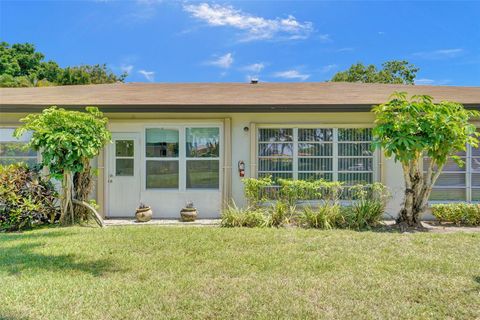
241, 168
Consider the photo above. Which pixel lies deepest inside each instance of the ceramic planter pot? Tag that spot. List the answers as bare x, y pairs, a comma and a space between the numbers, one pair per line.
144, 214
188, 214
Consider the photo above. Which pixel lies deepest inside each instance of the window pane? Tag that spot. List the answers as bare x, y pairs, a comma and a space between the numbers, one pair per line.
475, 194
475, 152
449, 166
275, 176
275, 135
313, 176
275, 149
450, 194
277, 164
354, 149
451, 179
16, 149
203, 174
315, 149
475, 164
355, 178
124, 148
203, 142
355, 164
315, 134
352, 134
476, 179
162, 174
161, 142
6, 135
124, 167
315, 164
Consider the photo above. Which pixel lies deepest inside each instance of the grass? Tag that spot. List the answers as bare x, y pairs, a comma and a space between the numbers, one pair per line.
190, 273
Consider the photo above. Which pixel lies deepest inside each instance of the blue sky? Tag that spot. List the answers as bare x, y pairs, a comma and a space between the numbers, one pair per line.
224, 41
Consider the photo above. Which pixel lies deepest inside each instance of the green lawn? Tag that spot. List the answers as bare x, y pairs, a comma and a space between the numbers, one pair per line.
194, 272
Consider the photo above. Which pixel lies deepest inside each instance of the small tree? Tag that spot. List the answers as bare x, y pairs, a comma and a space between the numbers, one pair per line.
67, 141
410, 129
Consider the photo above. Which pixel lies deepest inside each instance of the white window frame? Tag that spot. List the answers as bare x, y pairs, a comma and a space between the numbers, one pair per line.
182, 157
335, 158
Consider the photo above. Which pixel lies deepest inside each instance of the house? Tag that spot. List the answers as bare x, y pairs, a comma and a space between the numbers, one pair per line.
174, 143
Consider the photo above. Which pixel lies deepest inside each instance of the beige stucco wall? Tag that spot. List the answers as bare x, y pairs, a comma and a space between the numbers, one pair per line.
241, 148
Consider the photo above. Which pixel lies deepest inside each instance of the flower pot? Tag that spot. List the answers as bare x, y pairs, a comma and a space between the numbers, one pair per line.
144, 214
188, 214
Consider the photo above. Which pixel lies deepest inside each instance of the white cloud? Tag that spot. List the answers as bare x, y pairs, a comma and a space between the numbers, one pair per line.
324, 38
254, 67
346, 49
291, 74
440, 54
254, 27
149, 75
426, 81
224, 61
381, 33
126, 68
328, 68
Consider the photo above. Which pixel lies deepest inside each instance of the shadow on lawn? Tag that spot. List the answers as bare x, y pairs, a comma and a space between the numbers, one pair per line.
8, 316
20, 258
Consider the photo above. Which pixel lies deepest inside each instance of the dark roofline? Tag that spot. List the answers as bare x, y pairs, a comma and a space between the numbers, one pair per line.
251, 108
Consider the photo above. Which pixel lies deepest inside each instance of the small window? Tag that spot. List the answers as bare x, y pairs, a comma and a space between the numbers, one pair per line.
203, 158
124, 158
13, 150
162, 174
161, 143
162, 154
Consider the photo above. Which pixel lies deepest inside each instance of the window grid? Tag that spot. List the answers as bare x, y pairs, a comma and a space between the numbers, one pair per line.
334, 171
470, 187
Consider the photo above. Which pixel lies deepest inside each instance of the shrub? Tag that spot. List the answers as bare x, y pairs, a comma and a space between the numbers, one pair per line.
368, 206
325, 216
291, 191
279, 214
254, 189
233, 216
458, 213
26, 198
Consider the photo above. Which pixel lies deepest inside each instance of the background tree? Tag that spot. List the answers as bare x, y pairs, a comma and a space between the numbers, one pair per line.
67, 140
411, 128
399, 72
22, 66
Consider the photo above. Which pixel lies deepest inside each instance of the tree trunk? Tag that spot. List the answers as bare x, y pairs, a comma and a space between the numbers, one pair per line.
66, 203
417, 191
82, 185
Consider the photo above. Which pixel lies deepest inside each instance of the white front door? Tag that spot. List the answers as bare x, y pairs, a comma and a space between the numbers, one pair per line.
123, 175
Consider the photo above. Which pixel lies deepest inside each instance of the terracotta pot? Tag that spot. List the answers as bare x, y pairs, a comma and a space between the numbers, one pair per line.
144, 214
188, 214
